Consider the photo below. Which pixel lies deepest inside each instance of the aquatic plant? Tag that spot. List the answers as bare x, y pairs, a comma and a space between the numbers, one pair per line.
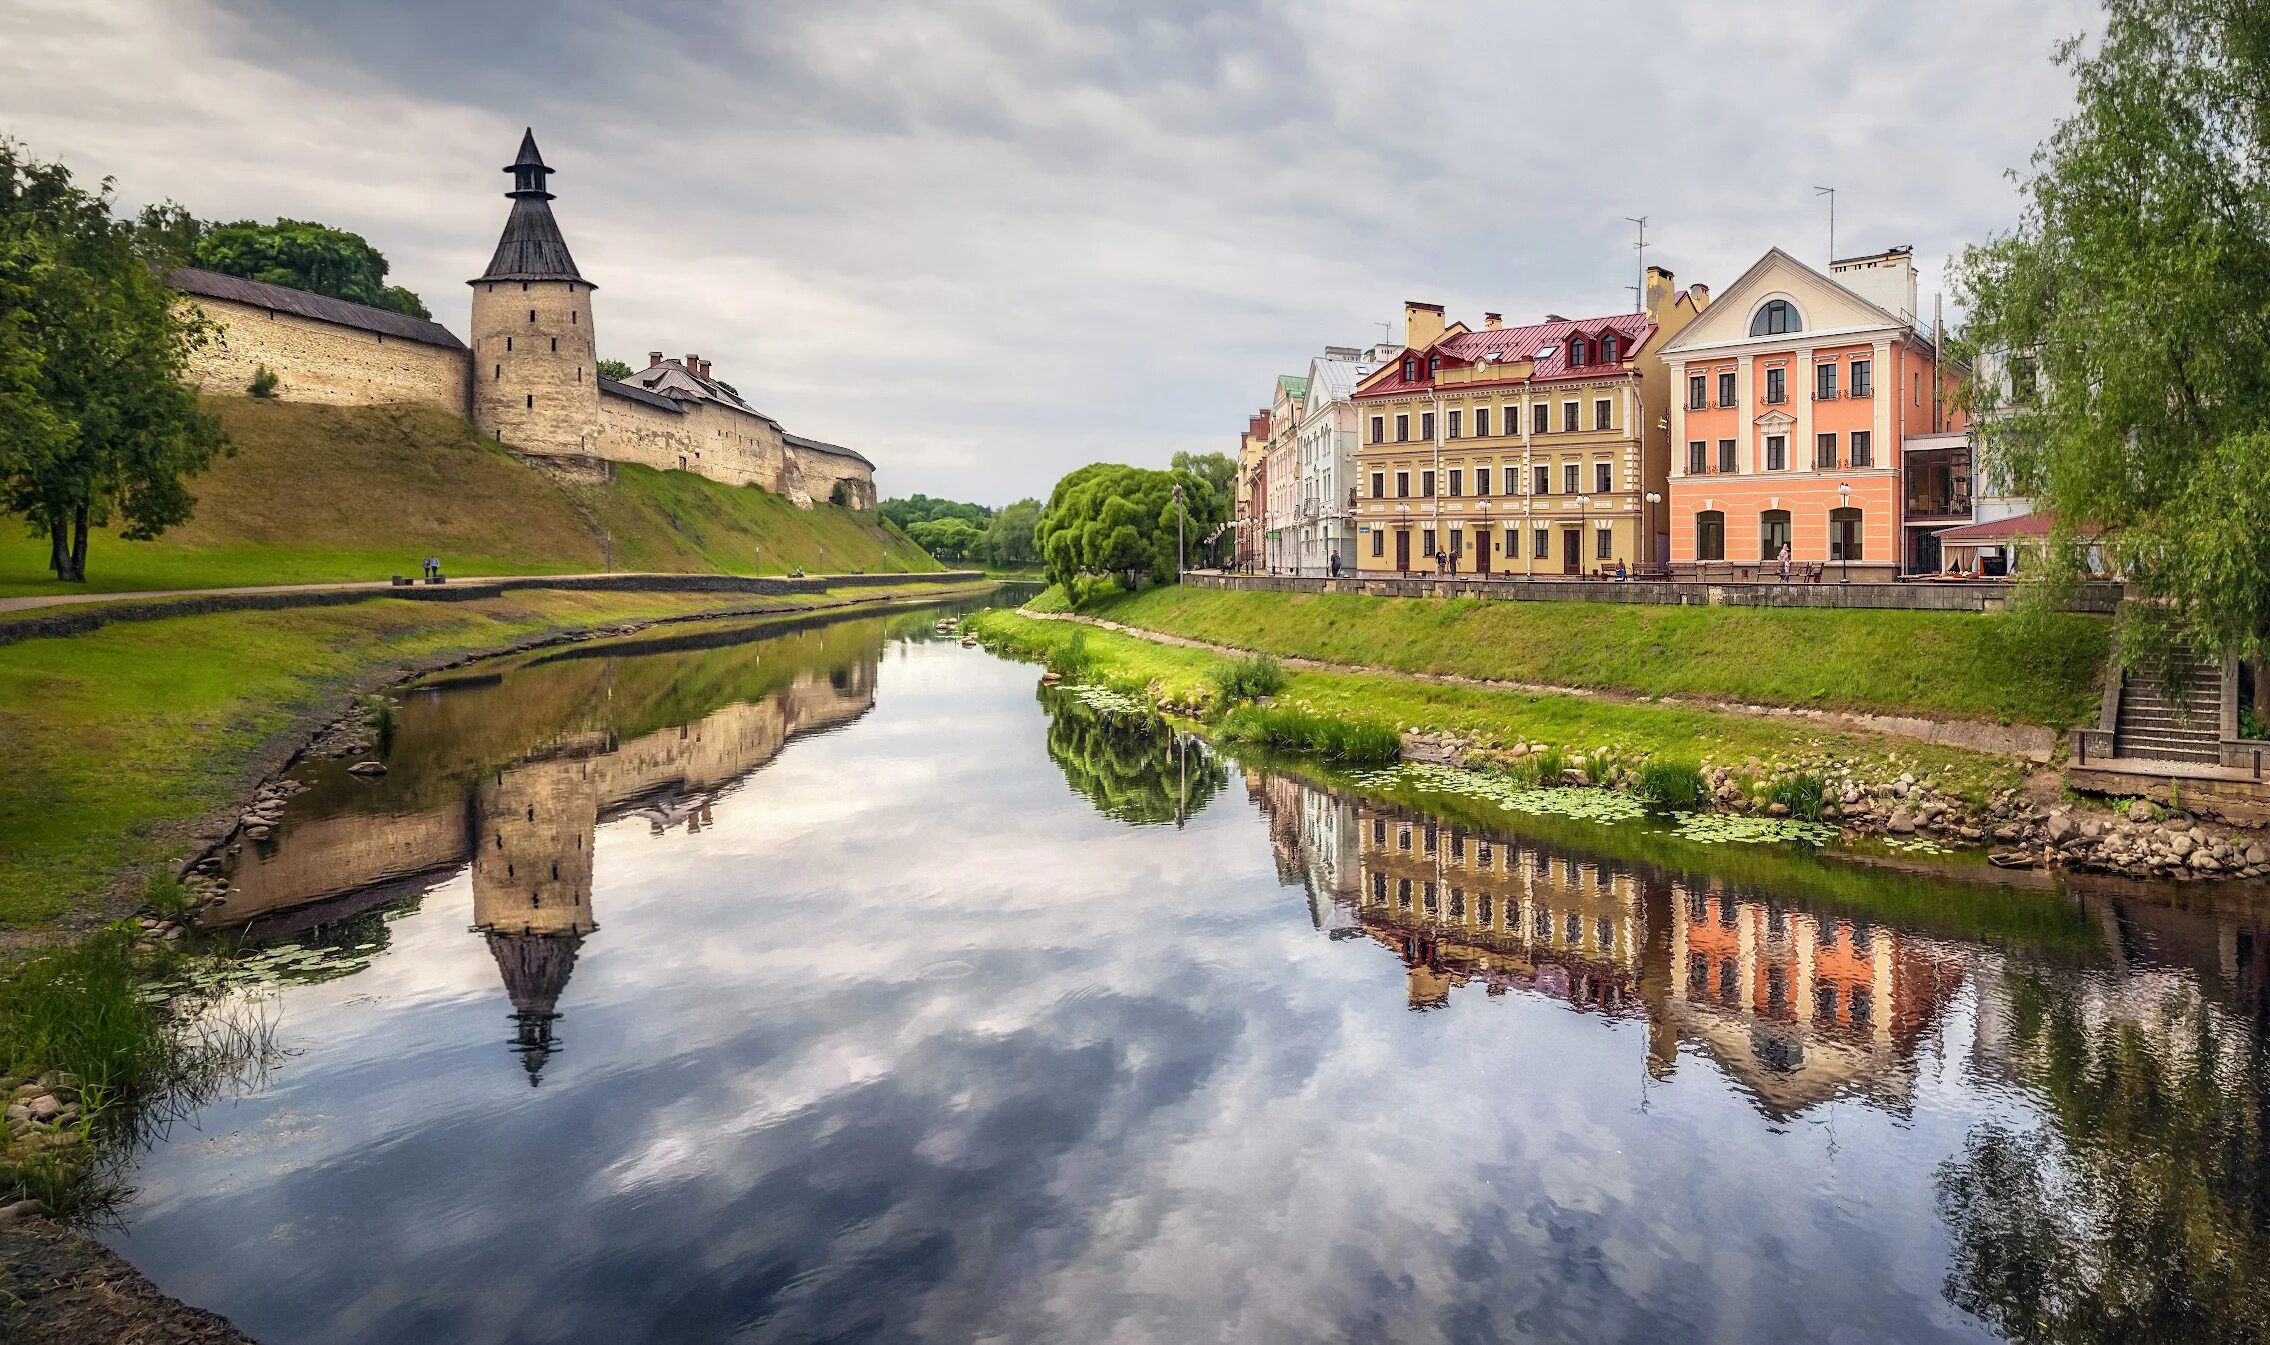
1741, 829
1293, 729
1250, 678
1104, 700
1801, 794
1509, 792
1674, 784
378, 713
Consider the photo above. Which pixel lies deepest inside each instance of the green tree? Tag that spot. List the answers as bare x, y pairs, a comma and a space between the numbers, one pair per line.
1220, 472
306, 256
614, 371
1009, 534
946, 538
922, 509
93, 350
2137, 284
1110, 519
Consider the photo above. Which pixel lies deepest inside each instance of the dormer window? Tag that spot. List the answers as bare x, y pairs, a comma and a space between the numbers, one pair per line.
1410, 370
1576, 351
1607, 350
1777, 318
1434, 364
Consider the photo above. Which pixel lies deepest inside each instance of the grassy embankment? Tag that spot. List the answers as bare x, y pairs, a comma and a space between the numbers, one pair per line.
1575, 724
2012, 669
318, 493
118, 738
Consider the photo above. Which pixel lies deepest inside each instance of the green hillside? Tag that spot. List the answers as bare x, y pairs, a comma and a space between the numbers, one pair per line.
326, 493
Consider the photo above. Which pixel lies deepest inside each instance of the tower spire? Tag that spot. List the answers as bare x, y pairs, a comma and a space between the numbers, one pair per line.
531, 248
528, 169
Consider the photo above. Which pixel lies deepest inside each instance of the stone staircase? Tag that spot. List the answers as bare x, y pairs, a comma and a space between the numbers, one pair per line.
2149, 725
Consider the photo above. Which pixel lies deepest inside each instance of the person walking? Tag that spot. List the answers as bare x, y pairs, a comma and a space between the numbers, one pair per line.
1784, 558
1335, 563
433, 567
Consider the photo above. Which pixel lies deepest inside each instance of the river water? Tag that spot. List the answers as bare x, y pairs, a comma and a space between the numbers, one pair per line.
830, 981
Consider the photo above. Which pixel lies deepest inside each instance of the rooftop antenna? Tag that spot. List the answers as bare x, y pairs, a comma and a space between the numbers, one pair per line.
1383, 330
1830, 192
1639, 291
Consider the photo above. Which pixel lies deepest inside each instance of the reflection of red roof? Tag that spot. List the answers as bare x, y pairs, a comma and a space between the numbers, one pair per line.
1514, 344
2001, 529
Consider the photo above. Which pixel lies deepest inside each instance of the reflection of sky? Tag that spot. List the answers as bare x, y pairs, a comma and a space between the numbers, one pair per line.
913, 1044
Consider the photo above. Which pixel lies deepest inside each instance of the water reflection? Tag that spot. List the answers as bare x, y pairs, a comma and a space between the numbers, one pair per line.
1134, 768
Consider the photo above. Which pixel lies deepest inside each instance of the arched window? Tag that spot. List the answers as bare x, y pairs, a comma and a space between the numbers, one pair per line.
1710, 535
1576, 350
1607, 350
1410, 369
1844, 534
1434, 364
1776, 318
1773, 533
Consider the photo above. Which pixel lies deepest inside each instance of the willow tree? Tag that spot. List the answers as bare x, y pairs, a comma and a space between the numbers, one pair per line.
2135, 292
96, 423
1108, 519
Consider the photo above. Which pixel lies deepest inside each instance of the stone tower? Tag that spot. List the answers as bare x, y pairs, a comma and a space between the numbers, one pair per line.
535, 361
533, 828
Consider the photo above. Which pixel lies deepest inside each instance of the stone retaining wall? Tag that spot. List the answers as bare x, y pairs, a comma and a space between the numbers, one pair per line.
1921, 597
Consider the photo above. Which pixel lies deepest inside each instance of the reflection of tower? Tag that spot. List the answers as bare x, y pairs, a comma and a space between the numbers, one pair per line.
533, 827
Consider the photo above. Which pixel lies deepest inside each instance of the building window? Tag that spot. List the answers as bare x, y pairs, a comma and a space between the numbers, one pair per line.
1481, 422
499, 375
555, 345
1863, 449
1777, 318
1604, 544
1378, 542
1427, 484
1378, 485
1773, 533
531, 401
1544, 483
1710, 535
1777, 386
574, 314
1602, 416
1607, 350
1861, 384
1824, 450
1378, 428
1726, 455
1481, 481
1824, 382
508, 344
1726, 387
1427, 426
1568, 417
1457, 483
1571, 478
1777, 452
1698, 457
1410, 369
1540, 418
1544, 543
1402, 485
1919, 389
1450, 428
1427, 542
1603, 478
1576, 350
1844, 534
532, 317
1402, 429
1698, 388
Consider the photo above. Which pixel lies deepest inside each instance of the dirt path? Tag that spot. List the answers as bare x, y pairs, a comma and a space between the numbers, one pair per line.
2030, 742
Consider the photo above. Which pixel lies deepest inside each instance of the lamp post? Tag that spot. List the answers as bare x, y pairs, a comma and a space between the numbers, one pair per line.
1583, 502
1654, 498
1844, 501
1482, 547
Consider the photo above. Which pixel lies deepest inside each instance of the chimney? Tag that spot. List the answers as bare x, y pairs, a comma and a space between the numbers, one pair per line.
705, 368
1698, 294
1422, 324
1492, 321
1885, 279
653, 357
1659, 291
693, 364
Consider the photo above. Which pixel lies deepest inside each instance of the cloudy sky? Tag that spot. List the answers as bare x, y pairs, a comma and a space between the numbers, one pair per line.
986, 242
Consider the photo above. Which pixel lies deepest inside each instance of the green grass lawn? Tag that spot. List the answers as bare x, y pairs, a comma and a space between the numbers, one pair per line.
2033, 669
1577, 724
114, 737
317, 493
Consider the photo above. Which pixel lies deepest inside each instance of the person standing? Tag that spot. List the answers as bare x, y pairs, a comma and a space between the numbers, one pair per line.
1334, 564
1784, 558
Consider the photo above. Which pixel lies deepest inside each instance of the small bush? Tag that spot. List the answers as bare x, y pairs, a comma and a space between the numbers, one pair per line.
1801, 794
1250, 678
1072, 659
1353, 741
263, 384
169, 898
1551, 766
1673, 784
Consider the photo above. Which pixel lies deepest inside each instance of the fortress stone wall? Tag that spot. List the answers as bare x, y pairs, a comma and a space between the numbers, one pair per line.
530, 377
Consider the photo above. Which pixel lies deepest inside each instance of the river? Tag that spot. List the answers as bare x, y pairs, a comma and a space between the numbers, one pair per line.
827, 980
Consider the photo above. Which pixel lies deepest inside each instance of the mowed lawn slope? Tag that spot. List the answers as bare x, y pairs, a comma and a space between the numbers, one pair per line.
318, 493
2037, 669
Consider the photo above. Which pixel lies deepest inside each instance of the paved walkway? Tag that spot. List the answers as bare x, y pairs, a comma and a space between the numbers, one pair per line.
147, 595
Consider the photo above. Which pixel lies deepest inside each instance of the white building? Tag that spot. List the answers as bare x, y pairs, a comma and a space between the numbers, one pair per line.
1323, 515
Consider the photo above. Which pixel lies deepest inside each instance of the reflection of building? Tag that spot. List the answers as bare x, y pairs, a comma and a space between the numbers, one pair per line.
1312, 834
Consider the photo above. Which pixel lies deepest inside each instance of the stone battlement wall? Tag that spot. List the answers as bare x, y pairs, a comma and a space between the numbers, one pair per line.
317, 361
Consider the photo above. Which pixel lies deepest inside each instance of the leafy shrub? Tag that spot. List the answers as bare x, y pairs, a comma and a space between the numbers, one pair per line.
1801, 794
1673, 784
1072, 658
1551, 766
1250, 678
263, 384
1354, 741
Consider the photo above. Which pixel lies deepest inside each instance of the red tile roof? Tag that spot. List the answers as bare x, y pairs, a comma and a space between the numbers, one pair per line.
1511, 344
2023, 525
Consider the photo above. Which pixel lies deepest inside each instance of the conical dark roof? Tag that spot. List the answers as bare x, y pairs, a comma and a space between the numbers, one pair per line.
536, 968
531, 248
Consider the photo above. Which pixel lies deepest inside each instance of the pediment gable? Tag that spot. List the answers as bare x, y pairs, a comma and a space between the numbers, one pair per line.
1822, 304
1774, 422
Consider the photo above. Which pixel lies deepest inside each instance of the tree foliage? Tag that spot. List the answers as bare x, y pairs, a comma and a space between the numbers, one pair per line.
2137, 282
1009, 535
922, 509
1220, 472
1110, 519
300, 254
96, 421
946, 538
615, 371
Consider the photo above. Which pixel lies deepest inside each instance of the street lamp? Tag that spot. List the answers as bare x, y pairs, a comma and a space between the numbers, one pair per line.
1482, 548
1844, 501
1654, 498
1583, 502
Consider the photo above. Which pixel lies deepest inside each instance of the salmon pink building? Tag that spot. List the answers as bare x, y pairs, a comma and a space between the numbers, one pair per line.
1795, 399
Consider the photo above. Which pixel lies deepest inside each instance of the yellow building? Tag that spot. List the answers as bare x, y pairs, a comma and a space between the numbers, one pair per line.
1537, 450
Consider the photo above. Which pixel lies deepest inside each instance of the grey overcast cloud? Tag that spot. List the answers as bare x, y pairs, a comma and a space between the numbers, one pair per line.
987, 242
